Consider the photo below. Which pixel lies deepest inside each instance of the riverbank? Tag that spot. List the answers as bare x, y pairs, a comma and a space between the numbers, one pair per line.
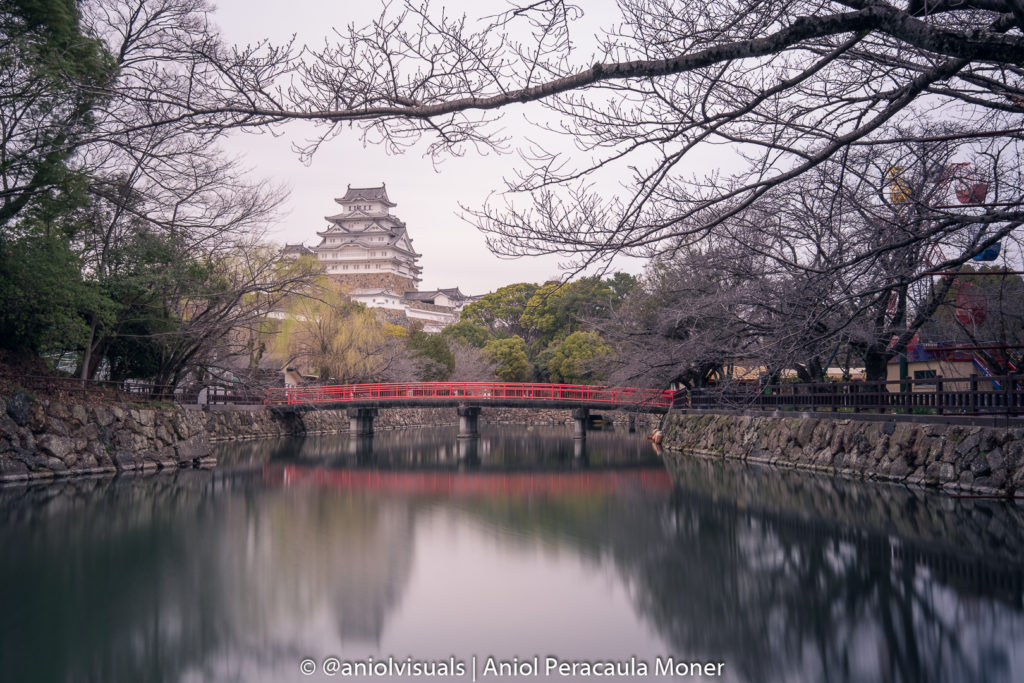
958, 458
44, 439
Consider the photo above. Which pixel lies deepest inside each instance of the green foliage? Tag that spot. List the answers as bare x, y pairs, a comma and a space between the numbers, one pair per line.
42, 296
542, 360
540, 316
135, 350
434, 349
580, 359
466, 333
500, 311
509, 355
53, 31
557, 309
52, 77
622, 285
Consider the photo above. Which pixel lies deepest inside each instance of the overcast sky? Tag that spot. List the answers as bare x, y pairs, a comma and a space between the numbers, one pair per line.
428, 198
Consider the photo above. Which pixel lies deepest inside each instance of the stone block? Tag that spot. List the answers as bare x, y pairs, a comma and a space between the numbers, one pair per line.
124, 460
89, 432
804, 433
969, 444
939, 473
163, 435
996, 459
55, 425
9, 428
36, 417
54, 464
900, 468
19, 407
104, 417
1017, 481
979, 466
56, 446
12, 468
190, 449
992, 439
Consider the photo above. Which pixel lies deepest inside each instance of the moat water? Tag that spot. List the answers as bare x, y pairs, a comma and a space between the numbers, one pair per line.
510, 558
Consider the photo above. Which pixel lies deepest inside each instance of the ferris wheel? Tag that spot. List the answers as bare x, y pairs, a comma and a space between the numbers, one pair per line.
970, 189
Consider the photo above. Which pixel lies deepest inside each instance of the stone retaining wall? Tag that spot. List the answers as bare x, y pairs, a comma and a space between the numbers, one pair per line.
49, 438
40, 438
983, 460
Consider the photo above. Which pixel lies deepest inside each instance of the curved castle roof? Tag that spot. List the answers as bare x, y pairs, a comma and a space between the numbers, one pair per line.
363, 194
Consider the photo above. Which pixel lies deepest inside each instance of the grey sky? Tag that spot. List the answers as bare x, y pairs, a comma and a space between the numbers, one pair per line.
428, 198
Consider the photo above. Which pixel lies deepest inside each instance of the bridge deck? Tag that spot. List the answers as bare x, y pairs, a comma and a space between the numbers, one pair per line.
506, 394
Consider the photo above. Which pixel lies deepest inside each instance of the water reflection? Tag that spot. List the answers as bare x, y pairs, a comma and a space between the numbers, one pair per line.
408, 543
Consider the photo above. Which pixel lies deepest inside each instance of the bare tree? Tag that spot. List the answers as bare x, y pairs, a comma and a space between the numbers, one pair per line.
471, 364
785, 86
791, 90
857, 254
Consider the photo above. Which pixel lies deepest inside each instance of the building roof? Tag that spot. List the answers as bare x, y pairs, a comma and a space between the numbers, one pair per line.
362, 194
452, 293
455, 293
420, 296
299, 249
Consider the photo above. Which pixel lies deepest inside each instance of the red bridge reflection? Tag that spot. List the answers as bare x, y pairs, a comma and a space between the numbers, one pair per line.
471, 483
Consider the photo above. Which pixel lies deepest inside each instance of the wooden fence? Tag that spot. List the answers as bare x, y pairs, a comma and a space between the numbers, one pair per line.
76, 390
974, 395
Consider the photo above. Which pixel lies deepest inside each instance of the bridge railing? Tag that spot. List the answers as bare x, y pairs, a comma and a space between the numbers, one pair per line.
476, 391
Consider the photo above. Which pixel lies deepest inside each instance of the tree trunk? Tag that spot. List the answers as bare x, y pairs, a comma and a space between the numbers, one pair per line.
876, 364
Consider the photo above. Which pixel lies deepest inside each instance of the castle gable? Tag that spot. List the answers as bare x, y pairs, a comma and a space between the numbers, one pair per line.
366, 194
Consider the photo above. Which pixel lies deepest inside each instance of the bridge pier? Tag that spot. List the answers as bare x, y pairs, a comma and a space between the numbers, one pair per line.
361, 448
579, 453
360, 421
469, 452
579, 417
468, 418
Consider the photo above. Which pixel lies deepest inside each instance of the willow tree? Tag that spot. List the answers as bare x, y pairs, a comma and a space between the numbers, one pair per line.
339, 340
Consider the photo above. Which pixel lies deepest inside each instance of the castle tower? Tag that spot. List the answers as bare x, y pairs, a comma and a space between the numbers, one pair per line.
365, 247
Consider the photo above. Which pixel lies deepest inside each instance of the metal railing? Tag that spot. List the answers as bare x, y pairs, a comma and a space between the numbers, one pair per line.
487, 392
974, 395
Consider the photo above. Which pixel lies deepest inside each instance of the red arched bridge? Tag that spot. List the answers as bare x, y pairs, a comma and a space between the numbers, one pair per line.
363, 400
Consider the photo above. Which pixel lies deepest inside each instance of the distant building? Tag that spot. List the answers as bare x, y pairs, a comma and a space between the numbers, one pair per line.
294, 251
369, 252
434, 310
942, 360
